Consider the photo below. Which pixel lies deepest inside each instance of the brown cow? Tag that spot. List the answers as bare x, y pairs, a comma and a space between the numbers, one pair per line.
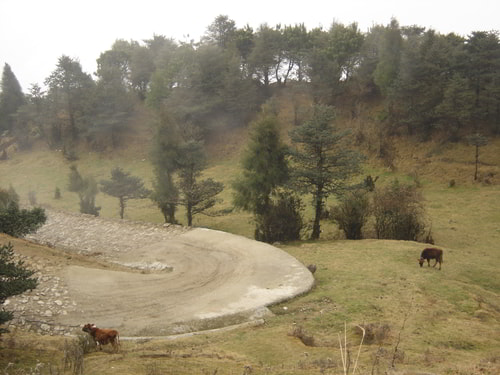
103, 336
431, 253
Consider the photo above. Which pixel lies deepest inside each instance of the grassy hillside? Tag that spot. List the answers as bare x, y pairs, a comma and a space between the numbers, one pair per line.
419, 320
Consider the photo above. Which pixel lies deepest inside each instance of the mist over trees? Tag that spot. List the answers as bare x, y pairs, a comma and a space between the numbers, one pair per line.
428, 82
423, 84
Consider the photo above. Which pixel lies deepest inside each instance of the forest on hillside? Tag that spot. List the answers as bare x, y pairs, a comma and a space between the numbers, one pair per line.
427, 82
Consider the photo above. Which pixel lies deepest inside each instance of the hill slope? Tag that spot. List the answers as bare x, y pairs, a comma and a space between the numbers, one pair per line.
439, 321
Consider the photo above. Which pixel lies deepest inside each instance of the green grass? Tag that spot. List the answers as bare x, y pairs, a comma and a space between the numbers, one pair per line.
451, 317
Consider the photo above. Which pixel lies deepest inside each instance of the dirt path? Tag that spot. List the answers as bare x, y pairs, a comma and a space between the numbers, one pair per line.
159, 280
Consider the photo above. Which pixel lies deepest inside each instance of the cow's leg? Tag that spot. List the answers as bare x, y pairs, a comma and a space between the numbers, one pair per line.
436, 262
428, 262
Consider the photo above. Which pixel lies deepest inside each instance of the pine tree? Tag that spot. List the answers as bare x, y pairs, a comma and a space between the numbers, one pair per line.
124, 187
260, 188
265, 167
322, 163
197, 196
16, 279
477, 140
18, 222
11, 98
166, 142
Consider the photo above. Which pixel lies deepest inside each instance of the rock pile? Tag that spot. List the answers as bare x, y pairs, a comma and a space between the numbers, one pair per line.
35, 310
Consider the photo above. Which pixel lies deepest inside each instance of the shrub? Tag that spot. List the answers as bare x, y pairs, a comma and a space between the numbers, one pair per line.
18, 222
388, 152
399, 212
374, 332
369, 182
86, 188
352, 214
74, 351
57, 193
282, 221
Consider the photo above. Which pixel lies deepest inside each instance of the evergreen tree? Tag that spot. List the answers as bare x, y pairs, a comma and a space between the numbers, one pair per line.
389, 57
16, 279
482, 69
221, 32
259, 190
332, 61
124, 187
322, 163
477, 140
165, 148
18, 222
70, 93
265, 167
197, 196
11, 98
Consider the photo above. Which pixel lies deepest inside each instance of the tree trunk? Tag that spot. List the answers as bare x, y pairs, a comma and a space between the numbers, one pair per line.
122, 207
477, 161
168, 212
317, 216
189, 214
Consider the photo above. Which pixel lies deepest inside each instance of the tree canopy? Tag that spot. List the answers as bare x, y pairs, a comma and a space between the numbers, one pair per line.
428, 82
124, 187
322, 162
11, 98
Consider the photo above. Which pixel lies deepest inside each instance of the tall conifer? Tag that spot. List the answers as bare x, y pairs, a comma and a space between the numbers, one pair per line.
11, 98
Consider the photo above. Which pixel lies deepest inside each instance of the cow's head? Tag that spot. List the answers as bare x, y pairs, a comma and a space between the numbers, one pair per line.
88, 327
421, 261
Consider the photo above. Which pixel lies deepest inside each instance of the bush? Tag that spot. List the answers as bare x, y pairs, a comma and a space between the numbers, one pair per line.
86, 188
57, 193
374, 332
399, 212
282, 221
352, 214
74, 351
18, 222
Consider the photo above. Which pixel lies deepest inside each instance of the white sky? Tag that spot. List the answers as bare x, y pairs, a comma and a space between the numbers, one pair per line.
35, 33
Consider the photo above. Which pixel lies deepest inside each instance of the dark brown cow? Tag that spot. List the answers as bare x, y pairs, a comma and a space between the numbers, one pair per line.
431, 253
103, 336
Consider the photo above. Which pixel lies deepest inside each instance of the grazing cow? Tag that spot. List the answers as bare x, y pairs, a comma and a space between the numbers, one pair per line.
431, 253
103, 336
